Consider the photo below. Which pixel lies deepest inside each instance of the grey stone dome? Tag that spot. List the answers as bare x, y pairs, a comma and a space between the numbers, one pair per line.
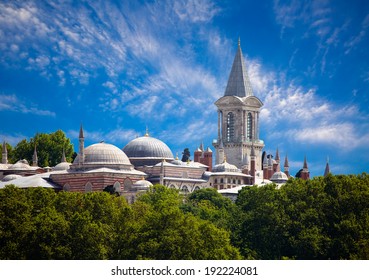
225, 167
147, 150
103, 154
279, 177
62, 166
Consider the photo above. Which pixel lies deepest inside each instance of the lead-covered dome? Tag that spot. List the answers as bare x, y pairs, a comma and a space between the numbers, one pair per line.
103, 155
147, 150
279, 177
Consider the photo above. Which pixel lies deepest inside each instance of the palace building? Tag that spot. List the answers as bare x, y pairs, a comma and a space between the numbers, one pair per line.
239, 156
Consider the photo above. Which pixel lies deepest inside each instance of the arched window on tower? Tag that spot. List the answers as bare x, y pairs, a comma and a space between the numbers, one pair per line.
249, 127
230, 126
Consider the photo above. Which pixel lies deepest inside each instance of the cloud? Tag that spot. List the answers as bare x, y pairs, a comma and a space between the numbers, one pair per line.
356, 40
119, 136
195, 11
12, 103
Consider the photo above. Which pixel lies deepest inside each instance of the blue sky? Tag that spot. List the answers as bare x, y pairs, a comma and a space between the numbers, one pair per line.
119, 66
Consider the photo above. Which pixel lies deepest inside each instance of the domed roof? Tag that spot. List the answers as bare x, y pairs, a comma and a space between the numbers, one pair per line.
225, 167
10, 177
20, 165
279, 177
62, 166
103, 154
147, 147
142, 184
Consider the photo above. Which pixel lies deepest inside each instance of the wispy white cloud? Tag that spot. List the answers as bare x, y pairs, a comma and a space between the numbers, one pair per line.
356, 40
13, 103
12, 139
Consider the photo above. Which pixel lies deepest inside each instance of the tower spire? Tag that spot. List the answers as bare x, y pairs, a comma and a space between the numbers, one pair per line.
327, 168
5, 154
238, 81
34, 157
81, 146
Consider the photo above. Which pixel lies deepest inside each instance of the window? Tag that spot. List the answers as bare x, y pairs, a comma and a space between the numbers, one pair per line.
88, 187
116, 187
249, 126
184, 189
230, 127
66, 187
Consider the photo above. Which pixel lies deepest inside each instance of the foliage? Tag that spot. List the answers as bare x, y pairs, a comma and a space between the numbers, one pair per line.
49, 149
38, 223
322, 218
186, 155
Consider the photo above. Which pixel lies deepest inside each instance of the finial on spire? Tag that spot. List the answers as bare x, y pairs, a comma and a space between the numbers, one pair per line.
239, 41
147, 132
177, 156
81, 132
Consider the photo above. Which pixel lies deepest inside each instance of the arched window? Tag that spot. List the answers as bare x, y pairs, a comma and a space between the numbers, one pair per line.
172, 186
88, 187
116, 187
230, 126
249, 126
196, 188
66, 187
184, 189
127, 184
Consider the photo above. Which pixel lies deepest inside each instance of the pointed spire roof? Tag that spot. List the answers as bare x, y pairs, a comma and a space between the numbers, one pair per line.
34, 157
81, 132
327, 169
305, 164
201, 147
238, 81
277, 155
286, 164
265, 160
63, 159
4, 148
247, 162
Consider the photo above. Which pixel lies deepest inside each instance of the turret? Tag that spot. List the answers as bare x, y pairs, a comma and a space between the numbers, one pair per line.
4, 154
327, 169
81, 152
265, 166
286, 167
305, 174
276, 166
34, 157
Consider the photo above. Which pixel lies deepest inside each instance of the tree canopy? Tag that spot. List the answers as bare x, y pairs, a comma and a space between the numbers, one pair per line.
49, 148
321, 218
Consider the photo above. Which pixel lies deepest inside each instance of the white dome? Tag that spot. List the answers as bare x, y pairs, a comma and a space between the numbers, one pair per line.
279, 177
62, 166
10, 177
20, 165
103, 154
225, 167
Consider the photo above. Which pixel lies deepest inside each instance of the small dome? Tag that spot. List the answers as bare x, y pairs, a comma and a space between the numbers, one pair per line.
10, 177
103, 154
20, 165
62, 166
225, 167
279, 177
147, 150
142, 184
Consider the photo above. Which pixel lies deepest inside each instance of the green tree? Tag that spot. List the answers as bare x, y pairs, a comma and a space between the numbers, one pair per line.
49, 148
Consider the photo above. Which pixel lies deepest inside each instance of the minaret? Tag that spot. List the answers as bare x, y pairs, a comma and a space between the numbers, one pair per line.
305, 174
238, 117
81, 153
253, 164
327, 169
161, 180
34, 157
286, 167
63, 159
265, 166
276, 165
270, 167
5, 154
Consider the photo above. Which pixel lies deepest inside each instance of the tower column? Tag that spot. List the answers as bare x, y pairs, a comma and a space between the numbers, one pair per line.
5, 154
